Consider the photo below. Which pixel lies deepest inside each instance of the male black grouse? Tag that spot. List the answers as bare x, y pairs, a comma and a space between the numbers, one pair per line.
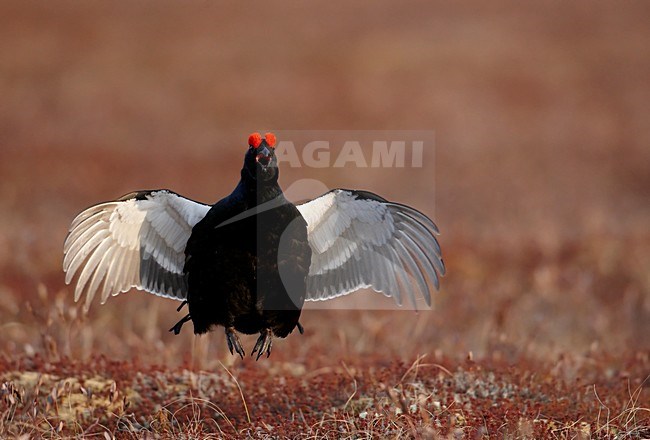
249, 261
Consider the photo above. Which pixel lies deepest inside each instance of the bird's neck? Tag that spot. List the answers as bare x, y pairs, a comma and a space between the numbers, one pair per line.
257, 192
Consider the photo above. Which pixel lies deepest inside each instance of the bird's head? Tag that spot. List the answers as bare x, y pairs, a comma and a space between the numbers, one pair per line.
260, 161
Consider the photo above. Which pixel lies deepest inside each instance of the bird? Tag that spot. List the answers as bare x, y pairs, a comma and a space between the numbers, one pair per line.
250, 261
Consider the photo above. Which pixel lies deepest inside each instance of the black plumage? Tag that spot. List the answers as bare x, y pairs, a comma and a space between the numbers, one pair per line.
241, 275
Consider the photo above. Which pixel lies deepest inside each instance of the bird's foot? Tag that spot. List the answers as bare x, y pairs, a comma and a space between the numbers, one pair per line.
233, 342
177, 327
263, 344
301, 329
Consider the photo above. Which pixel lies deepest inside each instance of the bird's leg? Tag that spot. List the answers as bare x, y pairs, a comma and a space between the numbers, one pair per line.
233, 342
263, 344
177, 327
181, 306
301, 329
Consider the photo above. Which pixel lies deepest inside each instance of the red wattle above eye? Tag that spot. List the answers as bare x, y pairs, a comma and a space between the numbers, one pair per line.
270, 139
254, 140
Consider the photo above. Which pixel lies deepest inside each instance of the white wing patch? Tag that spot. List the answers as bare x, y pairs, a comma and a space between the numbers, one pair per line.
137, 241
359, 240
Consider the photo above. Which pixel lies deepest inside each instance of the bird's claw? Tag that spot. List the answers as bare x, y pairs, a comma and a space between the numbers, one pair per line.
301, 329
263, 344
233, 342
177, 327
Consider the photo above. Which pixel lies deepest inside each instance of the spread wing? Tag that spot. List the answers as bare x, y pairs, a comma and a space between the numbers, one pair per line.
136, 241
361, 240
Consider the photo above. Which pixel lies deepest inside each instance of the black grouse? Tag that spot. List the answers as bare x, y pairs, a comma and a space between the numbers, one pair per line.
249, 262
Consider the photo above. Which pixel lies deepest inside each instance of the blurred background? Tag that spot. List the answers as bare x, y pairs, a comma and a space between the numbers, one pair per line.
539, 182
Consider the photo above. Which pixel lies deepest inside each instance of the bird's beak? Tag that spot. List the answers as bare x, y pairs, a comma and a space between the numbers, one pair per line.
264, 156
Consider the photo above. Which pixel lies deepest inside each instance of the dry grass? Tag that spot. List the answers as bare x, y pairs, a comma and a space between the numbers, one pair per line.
540, 185
367, 399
